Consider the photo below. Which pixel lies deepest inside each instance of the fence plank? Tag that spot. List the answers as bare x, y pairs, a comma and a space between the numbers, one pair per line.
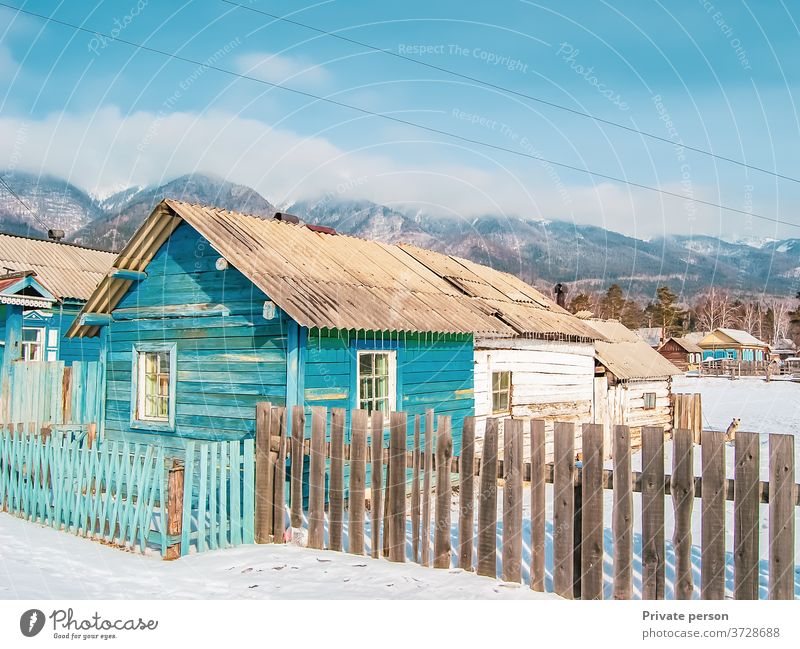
280, 416
512, 500
336, 489
537, 504
426, 489
248, 491
592, 519
781, 517
396, 495
358, 458
298, 433
466, 494
746, 515
712, 567
487, 505
444, 451
682, 490
622, 522
236, 494
415, 504
316, 478
264, 472
376, 466
563, 508
653, 548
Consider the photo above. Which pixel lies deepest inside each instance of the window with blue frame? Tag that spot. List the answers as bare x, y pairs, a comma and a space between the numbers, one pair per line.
154, 378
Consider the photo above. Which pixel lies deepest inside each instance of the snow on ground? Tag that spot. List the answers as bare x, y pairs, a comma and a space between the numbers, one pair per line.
38, 562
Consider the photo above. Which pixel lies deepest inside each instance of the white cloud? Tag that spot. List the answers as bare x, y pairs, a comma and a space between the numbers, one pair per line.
280, 68
108, 150
8, 66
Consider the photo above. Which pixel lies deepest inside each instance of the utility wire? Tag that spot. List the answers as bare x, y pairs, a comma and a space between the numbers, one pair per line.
23, 203
399, 120
511, 91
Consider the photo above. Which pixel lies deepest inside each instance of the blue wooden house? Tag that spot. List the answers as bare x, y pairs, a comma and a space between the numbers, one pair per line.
206, 312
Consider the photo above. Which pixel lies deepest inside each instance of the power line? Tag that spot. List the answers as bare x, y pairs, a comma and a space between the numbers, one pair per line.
517, 93
23, 203
399, 120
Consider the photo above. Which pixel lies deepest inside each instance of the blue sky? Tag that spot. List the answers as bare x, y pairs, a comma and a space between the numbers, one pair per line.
717, 75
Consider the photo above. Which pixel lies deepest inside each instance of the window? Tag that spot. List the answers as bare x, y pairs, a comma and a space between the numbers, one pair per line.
32, 343
153, 397
376, 381
501, 392
649, 400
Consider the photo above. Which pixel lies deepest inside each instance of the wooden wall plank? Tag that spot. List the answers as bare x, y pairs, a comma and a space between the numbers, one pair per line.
396, 495
358, 469
466, 495
653, 548
682, 490
316, 477
781, 517
563, 507
537, 477
444, 451
487, 504
592, 519
712, 567
336, 490
746, 526
512, 500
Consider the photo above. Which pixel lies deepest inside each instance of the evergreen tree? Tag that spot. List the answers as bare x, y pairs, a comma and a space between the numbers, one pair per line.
581, 302
613, 302
665, 312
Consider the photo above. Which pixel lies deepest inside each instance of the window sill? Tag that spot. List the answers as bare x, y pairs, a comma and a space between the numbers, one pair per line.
156, 426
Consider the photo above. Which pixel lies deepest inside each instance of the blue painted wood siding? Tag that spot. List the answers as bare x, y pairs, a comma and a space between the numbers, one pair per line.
225, 364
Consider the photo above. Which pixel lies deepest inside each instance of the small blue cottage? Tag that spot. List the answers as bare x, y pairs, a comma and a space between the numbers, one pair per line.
207, 311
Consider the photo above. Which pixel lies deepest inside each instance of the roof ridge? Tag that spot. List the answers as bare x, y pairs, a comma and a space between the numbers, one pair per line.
57, 243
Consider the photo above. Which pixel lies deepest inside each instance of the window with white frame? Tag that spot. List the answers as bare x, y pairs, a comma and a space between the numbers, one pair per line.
32, 343
155, 389
377, 380
501, 392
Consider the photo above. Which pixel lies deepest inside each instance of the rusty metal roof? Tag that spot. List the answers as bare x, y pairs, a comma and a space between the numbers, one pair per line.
68, 270
626, 355
324, 280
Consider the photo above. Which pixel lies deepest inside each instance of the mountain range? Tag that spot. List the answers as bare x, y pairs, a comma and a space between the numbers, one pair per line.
542, 252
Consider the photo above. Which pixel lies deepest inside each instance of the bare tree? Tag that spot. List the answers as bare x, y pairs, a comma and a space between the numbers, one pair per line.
715, 309
781, 308
749, 318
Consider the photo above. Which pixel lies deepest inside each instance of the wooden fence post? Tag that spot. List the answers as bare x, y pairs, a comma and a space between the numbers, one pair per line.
781, 517
91, 435
746, 499
712, 567
622, 523
376, 456
653, 549
316, 479
444, 451
298, 433
682, 490
466, 494
358, 468
592, 505
426, 489
563, 508
415, 510
174, 509
487, 505
280, 426
512, 500
264, 504
396, 496
336, 489
537, 504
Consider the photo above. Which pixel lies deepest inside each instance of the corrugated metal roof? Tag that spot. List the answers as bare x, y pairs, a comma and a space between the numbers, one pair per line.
627, 356
687, 345
324, 280
739, 336
67, 270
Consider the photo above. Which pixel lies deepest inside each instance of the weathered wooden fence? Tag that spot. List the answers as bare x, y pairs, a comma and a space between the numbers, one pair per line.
687, 412
578, 550
129, 495
50, 392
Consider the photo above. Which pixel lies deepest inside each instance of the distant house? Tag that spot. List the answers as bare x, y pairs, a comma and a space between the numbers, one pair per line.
653, 336
733, 344
43, 285
633, 382
682, 353
783, 349
206, 312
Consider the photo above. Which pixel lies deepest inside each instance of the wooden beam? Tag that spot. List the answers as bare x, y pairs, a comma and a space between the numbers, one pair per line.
95, 319
125, 273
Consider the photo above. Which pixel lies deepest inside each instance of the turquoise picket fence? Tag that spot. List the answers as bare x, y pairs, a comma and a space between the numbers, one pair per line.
50, 392
118, 492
